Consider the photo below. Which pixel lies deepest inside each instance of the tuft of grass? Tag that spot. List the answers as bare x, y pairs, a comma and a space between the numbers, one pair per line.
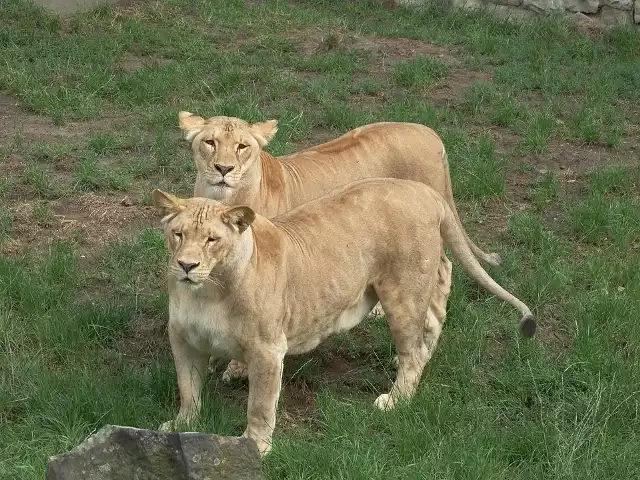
476, 171
419, 72
601, 220
89, 174
109, 144
42, 215
38, 177
546, 191
479, 96
6, 223
537, 133
615, 180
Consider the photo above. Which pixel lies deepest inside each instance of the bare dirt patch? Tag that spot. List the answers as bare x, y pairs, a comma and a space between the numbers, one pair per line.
317, 41
450, 90
132, 63
144, 338
104, 218
14, 121
89, 220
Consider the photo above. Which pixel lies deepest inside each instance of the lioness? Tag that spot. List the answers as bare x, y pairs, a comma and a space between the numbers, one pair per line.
255, 290
232, 167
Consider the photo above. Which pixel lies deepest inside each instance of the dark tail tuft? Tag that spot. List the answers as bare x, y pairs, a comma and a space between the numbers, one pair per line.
528, 325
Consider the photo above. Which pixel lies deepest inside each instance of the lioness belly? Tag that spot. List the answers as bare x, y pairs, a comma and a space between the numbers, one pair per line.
311, 334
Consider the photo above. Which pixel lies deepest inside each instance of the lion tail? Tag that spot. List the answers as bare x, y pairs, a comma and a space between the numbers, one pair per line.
455, 239
490, 258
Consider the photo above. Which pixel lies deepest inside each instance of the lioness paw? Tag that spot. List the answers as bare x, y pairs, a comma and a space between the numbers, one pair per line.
385, 402
494, 259
395, 362
235, 370
264, 446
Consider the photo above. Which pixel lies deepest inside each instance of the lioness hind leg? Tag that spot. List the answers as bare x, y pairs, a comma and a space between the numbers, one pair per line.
415, 347
438, 307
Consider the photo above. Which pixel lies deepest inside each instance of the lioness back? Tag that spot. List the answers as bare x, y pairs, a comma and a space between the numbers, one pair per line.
232, 167
381, 150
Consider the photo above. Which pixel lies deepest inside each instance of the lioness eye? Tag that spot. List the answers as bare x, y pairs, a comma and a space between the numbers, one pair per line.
211, 142
242, 146
211, 239
178, 234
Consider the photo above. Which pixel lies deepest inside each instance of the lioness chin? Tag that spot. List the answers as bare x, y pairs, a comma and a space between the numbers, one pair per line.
244, 287
232, 167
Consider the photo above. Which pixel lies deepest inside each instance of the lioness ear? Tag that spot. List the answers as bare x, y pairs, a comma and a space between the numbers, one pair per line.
240, 216
263, 132
191, 124
167, 203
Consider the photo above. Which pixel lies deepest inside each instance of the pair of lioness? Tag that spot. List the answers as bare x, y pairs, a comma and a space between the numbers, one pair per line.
254, 289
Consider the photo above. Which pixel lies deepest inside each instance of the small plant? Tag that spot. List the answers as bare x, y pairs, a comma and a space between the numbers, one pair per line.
546, 191
420, 72
42, 215
90, 175
479, 96
538, 133
38, 177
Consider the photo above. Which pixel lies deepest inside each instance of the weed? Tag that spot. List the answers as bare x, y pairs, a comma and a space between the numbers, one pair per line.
546, 191
39, 178
420, 72
538, 133
42, 215
89, 174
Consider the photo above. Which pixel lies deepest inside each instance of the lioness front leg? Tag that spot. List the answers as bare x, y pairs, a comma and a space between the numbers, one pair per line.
191, 366
265, 379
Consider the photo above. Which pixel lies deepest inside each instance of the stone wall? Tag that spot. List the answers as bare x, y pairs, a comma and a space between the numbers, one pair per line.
607, 11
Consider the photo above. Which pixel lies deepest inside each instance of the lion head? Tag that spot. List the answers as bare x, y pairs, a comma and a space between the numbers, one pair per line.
201, 234
225, 148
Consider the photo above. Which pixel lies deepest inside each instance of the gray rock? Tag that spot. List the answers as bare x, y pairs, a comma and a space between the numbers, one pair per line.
509, 3
586, 6
619, 4
636, 12
613, 16
125, 453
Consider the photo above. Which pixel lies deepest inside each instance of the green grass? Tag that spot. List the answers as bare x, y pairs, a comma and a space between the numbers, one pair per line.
82, 337
421, 71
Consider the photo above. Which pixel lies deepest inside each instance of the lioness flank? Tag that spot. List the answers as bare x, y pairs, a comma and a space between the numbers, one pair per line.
245, 287
233, 168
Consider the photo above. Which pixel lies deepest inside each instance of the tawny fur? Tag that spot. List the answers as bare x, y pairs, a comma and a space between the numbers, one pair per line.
263, 289
274, 185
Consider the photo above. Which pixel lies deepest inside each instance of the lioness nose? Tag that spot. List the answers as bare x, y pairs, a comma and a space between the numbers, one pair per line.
224, 169
187, 267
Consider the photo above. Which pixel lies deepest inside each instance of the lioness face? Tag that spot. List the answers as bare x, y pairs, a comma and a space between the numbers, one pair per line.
225, 148
201, 234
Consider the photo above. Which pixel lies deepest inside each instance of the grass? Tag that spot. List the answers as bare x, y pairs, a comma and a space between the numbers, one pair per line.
543, 158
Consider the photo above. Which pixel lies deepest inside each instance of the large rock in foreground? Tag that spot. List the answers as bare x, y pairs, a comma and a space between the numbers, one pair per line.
125, 453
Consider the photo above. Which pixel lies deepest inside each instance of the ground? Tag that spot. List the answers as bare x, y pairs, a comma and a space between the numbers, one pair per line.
542, 129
